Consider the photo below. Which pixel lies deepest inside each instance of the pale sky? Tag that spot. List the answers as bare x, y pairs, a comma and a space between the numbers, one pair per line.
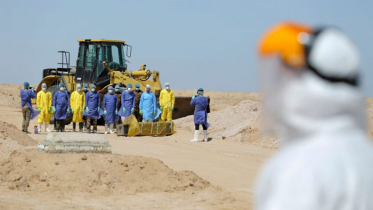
193, 43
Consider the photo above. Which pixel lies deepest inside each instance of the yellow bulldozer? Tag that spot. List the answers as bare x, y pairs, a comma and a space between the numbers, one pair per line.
103, 63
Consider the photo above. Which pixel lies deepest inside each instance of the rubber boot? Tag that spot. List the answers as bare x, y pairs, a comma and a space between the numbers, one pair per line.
205, 135
111, 128
106, 128
39, 128
47, 128
81, 127
196, 134
74, 127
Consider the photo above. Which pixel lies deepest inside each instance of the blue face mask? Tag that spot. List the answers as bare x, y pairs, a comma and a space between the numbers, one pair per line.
85, 89
137, 89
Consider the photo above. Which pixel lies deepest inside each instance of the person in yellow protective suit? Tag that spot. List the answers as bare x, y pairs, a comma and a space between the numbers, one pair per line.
44, 104
77, 104
167, 102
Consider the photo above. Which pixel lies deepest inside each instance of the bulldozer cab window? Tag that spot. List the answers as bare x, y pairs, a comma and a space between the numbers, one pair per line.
81, 55
90, 57
113, 54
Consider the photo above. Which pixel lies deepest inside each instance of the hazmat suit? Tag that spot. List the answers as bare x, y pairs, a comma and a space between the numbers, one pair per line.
61, 107
28, 112
110, 104
128, 103
77, 104
201, 104
167, 102
148, 106
44, 104
92, 110
324, 161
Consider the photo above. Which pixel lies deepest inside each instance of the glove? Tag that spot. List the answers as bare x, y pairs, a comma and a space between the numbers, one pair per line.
49, 110
54, 109
82, 110
124, 110
193, 96
98, 110
87, 109
105, 112
172, 108
72, 111
116, 112
140, 111
39, 109
68, 110
132, 110
161, 108
153, 112
32, 89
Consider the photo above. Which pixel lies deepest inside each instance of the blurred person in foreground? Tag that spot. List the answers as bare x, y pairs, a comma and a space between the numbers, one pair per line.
312, 102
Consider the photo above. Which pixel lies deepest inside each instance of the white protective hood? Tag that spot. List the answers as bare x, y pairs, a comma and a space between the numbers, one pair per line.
325, 162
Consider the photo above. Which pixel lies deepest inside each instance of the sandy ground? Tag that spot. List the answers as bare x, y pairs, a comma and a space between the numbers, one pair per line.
179, 174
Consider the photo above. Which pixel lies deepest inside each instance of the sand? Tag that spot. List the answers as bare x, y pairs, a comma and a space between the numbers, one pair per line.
167, 172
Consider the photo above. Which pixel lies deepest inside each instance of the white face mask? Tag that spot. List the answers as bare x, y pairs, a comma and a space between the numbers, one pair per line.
44, 89
129, 89
62, 88
167, 87
110, 91
93, 89
79, 89
117, 90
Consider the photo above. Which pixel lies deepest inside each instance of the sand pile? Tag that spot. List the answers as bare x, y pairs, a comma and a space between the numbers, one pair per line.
31, 170
239, 123
10, 95
11, 138
221, 100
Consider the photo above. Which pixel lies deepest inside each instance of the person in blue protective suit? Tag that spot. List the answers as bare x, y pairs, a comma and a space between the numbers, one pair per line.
110, 104
118, 93
200, 113
128, 103
85, 90
92, 109
61, 107
148, 106
28, 112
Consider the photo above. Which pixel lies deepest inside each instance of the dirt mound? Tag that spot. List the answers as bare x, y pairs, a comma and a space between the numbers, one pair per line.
221, 100
10, 95
10, 131
31, 170
239, 123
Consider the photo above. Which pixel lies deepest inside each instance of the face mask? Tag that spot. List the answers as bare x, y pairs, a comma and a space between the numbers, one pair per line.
93, 89
110, 91
167, 88
62, 88
44, 89
129, 89
85, 89
117, 90
137, 89
79, 89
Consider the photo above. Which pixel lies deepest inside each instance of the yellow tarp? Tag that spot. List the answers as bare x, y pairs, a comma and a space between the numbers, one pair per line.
148, 129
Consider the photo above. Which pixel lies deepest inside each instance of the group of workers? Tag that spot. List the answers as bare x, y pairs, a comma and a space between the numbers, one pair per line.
117, 105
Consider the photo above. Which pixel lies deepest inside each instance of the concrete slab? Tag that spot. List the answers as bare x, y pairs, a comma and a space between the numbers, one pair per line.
75, 142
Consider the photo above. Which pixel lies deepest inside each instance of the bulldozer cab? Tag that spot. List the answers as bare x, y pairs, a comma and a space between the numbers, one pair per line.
93, 53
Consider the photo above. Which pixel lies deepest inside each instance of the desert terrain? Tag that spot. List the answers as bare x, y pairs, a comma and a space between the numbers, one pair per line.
142, 172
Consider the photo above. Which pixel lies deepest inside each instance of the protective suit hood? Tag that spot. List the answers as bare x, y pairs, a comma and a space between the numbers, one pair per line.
311, 105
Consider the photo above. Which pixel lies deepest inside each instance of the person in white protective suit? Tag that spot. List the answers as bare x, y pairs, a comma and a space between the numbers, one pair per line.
312, 102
